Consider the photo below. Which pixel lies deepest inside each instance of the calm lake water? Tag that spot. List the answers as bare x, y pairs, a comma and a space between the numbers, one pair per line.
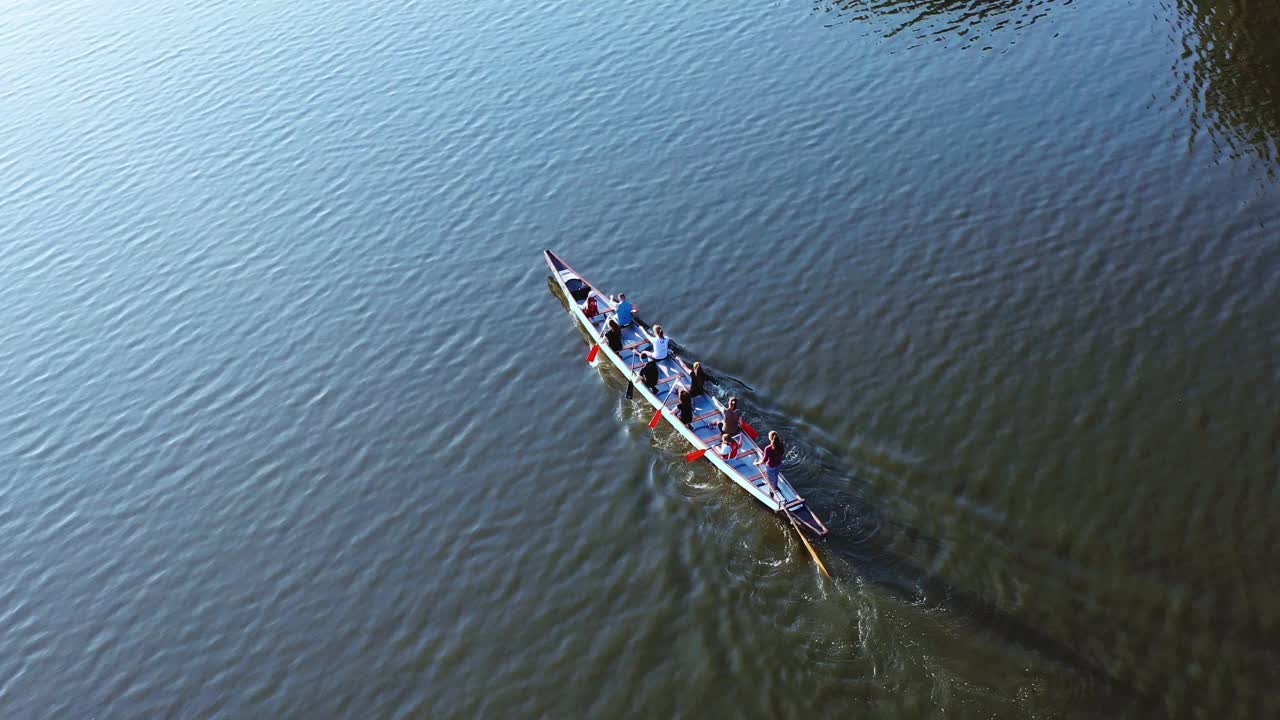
293, 425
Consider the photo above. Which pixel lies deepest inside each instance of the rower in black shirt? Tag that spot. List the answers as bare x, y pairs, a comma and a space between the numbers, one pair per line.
684, 407
649, 373
613, 336
697, 379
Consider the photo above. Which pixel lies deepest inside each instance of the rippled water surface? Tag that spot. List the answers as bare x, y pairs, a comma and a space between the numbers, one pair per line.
292, 423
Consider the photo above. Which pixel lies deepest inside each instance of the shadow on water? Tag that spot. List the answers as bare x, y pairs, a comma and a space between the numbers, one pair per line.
868, 543
979, 24
1121, 651
1131, 655
864, 540
1230, 70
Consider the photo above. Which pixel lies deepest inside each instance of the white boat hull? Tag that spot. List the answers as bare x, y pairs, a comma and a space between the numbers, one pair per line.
703, 433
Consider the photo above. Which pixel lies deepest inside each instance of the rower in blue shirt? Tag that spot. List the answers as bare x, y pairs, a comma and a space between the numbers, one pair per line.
625, 310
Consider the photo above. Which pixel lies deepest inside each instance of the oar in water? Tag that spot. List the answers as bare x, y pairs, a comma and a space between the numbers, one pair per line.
796, 526
631, 386
595, 350
658, 415
812, 553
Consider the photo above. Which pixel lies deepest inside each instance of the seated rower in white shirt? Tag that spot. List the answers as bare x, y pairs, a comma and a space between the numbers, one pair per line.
661, 344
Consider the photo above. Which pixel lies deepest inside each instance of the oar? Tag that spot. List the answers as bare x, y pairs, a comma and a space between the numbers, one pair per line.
631, 386
796, 526
751, 432
695, 455
595, 350
812, 553
658, 415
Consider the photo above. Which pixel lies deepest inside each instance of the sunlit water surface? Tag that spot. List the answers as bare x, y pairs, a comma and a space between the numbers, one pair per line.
293, 425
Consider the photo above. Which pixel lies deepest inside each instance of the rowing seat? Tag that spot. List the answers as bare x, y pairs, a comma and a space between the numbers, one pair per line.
640, 365
715, 434
661, 382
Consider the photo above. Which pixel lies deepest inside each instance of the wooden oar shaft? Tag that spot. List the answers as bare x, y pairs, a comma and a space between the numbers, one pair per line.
807, 545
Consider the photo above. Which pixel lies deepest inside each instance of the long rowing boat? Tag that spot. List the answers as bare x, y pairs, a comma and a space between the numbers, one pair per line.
703, 433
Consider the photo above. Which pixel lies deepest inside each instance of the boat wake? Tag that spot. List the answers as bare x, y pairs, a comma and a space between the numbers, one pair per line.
873, 547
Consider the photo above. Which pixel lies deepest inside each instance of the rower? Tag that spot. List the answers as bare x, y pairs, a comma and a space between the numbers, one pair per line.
731, 428
625, 310
697, 380
684, 407
661, 344
613, 335
771, 459
649, 373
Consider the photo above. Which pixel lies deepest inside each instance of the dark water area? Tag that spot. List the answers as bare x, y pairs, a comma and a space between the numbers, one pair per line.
293, 424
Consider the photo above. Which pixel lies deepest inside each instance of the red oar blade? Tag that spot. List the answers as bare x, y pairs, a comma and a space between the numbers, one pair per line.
657, 417
750, 430
695, 455
595, 350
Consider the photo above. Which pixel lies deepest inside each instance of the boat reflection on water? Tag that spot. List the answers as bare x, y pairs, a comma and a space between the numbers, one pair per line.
1226, 54
1230, 62
962, 23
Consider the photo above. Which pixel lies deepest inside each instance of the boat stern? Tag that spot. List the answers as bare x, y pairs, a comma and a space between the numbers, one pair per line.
810, 521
